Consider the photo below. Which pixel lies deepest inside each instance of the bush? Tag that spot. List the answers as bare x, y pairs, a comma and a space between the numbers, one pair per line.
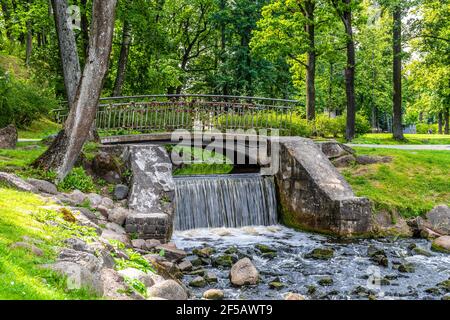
424, 127
77, 179
22, 102
333, 127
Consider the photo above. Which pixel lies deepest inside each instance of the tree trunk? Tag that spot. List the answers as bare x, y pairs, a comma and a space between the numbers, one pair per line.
311, 62
397, 128
67, 49
65, 150
447, 120
29, 43
440, 122
123, 59
349, 73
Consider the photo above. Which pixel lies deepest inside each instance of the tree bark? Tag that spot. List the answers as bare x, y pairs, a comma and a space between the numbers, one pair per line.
123, 59
397, 128
440, 122
67, 49
65, 150
447, 120
311, 62
29, 43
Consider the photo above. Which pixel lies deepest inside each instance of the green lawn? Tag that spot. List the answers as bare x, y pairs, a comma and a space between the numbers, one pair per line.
386, 138
413, 183
21, 157
21, 274
39, 129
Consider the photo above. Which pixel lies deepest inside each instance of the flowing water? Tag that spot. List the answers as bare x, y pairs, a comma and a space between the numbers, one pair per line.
224, 201
351, 269
239, 212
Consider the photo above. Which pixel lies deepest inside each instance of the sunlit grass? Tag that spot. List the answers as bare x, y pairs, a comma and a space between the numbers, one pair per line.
386, 138
21, 273
39, 129
412, 184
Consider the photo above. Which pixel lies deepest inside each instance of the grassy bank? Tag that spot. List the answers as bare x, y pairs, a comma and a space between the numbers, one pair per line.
39, 129
22, 219
386, 138
413, 183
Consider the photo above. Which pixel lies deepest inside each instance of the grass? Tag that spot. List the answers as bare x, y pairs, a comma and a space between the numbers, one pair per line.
39, 129
22, 276
21, 157
386, 138
412, 184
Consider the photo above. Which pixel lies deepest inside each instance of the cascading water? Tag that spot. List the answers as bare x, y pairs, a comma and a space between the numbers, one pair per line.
224, 201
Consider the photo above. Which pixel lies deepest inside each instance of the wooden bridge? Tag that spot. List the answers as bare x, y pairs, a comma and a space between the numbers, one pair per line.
165, 113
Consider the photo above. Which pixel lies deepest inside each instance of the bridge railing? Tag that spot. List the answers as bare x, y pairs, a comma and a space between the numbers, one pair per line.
165, 113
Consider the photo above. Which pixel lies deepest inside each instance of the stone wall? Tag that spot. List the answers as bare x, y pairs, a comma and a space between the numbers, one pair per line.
313, 195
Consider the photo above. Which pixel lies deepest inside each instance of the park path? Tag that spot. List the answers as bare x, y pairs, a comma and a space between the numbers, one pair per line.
445, 147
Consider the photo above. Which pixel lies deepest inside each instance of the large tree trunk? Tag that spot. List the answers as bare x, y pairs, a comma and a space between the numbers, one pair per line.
311, 62
447, 120
29, 43
67, 49
397, 128
123, 59
65, 150
440, 122
349, 73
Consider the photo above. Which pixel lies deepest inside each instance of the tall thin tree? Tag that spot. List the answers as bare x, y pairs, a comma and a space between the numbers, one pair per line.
397, 128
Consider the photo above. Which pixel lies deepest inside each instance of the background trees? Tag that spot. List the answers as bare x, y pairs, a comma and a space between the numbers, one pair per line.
300, 49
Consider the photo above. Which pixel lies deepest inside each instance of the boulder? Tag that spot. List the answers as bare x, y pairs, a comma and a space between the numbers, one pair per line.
136, 274
107, 203
225, 260
104, 163
43, 186
152, 243
364, 160
170, 253
17, 183
320, 254
85, 259
118, 215
441, 244
168, 289
210, 277
213, 294
185, 266
334, 149
103, 211
8, 137
111, 235
244, 272
31, 247
115, 227
94, 199
439, 219
77, 244
294, 296
198, 282
114, 286
79, 276
77, 197
139, 244
204, 252
121, 192
325, 282
344, 161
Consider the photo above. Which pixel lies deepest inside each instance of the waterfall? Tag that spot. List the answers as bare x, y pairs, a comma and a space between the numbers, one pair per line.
224, 201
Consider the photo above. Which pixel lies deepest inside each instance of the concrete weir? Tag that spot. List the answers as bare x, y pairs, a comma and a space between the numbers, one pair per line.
312, 195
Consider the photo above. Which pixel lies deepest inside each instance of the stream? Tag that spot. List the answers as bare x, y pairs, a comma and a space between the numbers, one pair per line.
354, 275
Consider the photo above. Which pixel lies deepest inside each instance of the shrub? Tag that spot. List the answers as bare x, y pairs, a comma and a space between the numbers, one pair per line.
326, 126
424, 127
77, 179
22, 102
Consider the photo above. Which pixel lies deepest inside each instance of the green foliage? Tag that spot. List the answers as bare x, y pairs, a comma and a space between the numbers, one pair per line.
386, 138
423, 128
77, 179
136, 285
22, 102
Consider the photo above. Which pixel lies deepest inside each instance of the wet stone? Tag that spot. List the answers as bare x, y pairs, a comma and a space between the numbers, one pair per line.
320, 254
